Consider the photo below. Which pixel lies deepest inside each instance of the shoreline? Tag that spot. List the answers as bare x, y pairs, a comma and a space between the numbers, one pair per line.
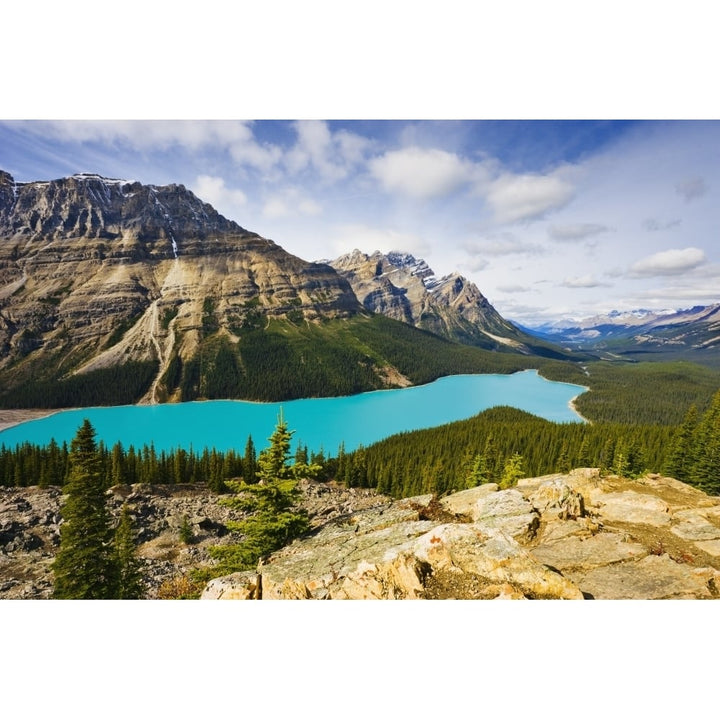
16, 416
573, 407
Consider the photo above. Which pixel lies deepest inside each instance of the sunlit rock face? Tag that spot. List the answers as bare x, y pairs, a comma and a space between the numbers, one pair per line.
404, 288
84, 257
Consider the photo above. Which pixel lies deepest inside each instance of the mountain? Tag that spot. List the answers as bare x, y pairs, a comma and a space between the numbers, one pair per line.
690, 333
115, 292
405, 288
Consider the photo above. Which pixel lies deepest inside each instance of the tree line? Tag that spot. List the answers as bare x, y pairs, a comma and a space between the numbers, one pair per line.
694, 455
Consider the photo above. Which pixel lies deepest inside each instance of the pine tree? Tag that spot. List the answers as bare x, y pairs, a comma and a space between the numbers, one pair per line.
129, 576
705, 453
476, 471
512, 471
275, 519
85, 565
680, 460
249, 465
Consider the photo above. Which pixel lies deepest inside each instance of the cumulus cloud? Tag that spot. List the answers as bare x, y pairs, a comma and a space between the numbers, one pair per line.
290, 201
583, 281
668, 262
515, 198
655, 225
692, 188
332, 155
275, 208
421, 173
214, 191
576, 231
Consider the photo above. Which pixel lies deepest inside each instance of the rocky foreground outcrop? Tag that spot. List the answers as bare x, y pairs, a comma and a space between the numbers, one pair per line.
568, 536
30, 529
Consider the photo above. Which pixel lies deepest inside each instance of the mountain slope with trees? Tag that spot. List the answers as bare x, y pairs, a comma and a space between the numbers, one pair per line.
114, 292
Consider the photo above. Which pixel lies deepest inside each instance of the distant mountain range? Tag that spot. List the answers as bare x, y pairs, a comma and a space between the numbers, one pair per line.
694, 332
112, 291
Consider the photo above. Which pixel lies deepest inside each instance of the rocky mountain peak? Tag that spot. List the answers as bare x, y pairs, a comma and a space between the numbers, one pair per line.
89, 205
403, 287
97, 272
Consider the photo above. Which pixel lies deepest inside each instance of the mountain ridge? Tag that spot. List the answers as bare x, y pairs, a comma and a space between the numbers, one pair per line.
146, 288
405, 288
692, 332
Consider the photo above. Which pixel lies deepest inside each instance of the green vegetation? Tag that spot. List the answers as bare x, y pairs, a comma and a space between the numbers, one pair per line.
638, 393
274, 520
130, 584
282, 359
93, 562
186, 534
119, 385
494, 446
694, 456
85, 566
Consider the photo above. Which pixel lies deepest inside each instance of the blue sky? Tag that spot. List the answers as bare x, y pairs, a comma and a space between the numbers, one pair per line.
549, 218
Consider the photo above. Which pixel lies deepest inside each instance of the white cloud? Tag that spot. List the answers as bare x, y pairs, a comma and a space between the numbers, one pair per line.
332, 155
576, 231
275, 208
668, 262
476, 264
288, 202
309, 207
583, 281
515, 198
234, 136
692, 188
214, 191
421, 173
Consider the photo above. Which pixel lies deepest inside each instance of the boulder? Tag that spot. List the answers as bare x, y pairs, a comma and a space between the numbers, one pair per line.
694, 525
632, 507
654, 577
508, 511
576, 552
238, 586
489, 553
464, 502
555, 497
711, 547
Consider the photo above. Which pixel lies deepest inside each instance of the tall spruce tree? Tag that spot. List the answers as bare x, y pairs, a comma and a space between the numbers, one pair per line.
85, 566
274, 518
705, 470
129, 575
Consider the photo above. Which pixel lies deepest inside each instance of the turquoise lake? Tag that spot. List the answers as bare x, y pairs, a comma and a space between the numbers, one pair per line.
319, 423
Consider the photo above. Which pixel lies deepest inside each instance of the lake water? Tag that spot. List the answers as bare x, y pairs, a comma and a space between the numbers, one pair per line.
319, 423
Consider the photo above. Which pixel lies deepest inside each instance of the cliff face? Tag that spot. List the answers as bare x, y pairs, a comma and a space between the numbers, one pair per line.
95, 272
404, 288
